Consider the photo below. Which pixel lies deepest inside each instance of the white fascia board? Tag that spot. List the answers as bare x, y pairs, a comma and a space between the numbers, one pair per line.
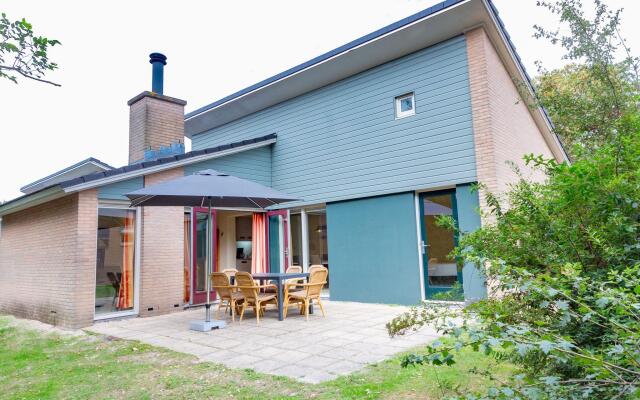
63, 172
31, 200
162, 167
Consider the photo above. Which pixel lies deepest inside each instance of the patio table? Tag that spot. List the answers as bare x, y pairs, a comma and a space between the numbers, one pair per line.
280, 279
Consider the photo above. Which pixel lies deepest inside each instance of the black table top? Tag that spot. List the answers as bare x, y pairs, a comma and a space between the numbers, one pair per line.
280, 275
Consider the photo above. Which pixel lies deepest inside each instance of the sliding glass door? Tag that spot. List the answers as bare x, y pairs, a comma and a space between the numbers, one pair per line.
199, 241
441, 271
115, 261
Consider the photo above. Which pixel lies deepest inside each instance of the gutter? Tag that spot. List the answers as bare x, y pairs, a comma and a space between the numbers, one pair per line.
162, 167
32, 199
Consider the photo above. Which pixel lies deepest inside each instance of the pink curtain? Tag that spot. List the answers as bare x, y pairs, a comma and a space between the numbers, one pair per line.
259, 243
125, 293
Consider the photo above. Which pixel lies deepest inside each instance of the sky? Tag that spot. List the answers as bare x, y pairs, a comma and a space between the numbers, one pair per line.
214, 48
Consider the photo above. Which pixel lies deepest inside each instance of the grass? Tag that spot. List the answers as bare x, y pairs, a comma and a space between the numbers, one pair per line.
34, 365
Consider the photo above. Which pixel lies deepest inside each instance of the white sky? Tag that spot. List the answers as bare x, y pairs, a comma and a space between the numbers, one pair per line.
213, 49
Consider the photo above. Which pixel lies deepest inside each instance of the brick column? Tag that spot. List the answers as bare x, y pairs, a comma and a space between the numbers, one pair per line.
481, 111
85, 258
161, 269
503, 127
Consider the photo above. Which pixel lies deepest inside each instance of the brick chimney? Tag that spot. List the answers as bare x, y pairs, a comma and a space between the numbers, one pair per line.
156, 121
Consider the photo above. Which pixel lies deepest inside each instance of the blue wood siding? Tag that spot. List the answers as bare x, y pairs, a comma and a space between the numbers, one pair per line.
373, 250
254, 164
473, 281
343, 141
116, 191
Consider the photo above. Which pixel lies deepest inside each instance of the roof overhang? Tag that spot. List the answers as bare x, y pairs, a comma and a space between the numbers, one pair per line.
31, 200
163, 167
64, 188
421, 30
85, 167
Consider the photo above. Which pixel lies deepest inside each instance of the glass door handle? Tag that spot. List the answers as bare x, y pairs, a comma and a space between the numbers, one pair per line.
424, 246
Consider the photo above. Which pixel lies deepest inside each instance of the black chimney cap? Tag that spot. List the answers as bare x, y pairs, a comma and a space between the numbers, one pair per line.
158, 57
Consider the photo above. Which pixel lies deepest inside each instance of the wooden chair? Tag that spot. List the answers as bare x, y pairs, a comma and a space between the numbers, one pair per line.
310, 291
294, 269
230, 272
251, 293
272, 288
227, 294
315, 267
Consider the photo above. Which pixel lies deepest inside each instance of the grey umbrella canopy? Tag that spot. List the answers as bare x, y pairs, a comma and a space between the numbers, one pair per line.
208, 188
209, 185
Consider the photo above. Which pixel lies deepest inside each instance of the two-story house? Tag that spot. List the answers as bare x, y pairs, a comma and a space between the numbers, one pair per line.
378, 138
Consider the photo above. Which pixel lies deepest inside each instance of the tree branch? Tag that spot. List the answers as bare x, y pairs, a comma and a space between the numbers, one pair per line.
18, 70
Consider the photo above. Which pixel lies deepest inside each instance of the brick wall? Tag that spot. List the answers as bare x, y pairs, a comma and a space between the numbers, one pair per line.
47, 261
162, 255
504, 130
154, 120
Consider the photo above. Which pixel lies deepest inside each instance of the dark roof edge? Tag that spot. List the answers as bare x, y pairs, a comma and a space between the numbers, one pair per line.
69, 168
135, 167
344, 48
165, 161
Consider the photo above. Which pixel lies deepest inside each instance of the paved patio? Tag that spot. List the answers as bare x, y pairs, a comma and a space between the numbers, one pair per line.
351, 336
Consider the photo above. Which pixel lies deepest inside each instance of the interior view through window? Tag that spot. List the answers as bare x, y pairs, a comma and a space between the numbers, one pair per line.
317, 228
317, 236
442, 269
296, 239
115, 260
234, 240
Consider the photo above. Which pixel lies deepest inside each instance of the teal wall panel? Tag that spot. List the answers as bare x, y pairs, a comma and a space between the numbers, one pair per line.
116, 191
373, 250
473, 281
252, 164
342, 141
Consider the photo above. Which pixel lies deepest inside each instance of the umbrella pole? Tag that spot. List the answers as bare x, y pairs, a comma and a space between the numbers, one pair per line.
208, 324
209, 268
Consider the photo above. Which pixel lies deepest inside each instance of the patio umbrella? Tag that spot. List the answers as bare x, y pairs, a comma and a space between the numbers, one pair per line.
208, 188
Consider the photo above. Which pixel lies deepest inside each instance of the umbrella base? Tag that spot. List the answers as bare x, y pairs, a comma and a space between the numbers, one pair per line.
206, 326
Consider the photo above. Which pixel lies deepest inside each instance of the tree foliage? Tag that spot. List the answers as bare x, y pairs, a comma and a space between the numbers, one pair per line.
588, 97
562, 258
22, 53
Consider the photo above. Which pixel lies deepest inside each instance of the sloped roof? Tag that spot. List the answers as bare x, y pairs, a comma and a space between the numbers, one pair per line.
81, 168
59, 189
433, 25
165, 161
345, 47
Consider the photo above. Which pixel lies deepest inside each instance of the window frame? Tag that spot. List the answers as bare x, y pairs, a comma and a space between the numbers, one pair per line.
397, 105
136, 261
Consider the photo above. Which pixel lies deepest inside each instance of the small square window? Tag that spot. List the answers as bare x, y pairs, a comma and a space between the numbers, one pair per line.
405, 105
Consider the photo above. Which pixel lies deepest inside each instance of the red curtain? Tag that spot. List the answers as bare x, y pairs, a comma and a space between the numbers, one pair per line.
187, 257
259, 243
125, 293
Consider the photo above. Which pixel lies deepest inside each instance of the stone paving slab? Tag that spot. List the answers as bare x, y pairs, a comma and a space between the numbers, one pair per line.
351, 336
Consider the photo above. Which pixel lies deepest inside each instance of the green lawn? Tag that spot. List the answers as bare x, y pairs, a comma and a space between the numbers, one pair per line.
38, 366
